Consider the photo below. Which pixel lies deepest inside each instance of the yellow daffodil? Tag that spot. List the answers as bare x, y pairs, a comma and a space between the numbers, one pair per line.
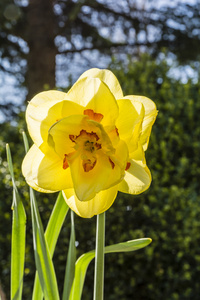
89, 142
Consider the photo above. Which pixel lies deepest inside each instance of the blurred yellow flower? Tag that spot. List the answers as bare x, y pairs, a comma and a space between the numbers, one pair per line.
89, 142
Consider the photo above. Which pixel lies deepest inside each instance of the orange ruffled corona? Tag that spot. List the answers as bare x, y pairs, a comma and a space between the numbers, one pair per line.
89, 142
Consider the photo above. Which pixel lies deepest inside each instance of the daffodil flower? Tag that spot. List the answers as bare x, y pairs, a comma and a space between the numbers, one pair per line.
89, 142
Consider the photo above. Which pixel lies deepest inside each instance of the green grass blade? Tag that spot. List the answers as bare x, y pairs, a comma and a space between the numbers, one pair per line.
58, 215
57, 218
44, 264
84, 261
26, 145
71, 260
18, 238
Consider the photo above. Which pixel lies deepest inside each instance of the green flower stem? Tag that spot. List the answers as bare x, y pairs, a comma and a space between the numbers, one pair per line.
99, 258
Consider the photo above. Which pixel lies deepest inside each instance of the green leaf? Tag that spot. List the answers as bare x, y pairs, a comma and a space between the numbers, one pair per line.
44, 264
18, 238
128, 246
57, 217
84, 261
71, 260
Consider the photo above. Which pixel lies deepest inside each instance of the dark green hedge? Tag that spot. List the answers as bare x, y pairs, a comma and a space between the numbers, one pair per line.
169, 212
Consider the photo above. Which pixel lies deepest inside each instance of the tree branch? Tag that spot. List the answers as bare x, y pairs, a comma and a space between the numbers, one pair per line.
103, 47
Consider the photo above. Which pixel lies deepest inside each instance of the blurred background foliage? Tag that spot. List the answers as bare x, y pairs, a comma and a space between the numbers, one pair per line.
169, 212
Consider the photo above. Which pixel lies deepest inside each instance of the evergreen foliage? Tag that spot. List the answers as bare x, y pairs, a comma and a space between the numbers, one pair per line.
41, 39
169, 212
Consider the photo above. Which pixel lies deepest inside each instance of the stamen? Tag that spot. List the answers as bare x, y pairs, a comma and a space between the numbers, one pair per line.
127, 166
89, 146
112, 163
88, 165
92, 115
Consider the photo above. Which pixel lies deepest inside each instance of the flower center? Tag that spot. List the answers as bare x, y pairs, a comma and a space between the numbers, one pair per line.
89, 146
86, 144
86, 141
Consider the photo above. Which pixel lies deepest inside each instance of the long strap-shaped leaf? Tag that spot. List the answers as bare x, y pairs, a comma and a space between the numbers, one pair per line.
71, 260
84, 260
44, 264
51, 234
18, 238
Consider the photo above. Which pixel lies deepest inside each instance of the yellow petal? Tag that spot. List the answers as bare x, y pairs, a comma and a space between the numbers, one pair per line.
131, 114
108, 78
87, 209
104, 102
41, 116
44, 172
94, 94
138, 177
100, 177
37, 111
149, 118
59, 134
107, 172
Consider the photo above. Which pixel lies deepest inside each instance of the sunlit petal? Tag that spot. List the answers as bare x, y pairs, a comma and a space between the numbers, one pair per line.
40, 117
87, 209
38, 110
129, 122
137, 177
149, 118
100, 177
44, 172
94, 94
104, 103
108, 78
60, 132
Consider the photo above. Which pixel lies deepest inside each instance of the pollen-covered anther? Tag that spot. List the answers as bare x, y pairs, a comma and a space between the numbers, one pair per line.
92, 115
88, 165
89, 146
127, 166
112, 163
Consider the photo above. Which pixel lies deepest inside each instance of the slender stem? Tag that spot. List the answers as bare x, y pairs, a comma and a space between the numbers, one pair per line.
99, 258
